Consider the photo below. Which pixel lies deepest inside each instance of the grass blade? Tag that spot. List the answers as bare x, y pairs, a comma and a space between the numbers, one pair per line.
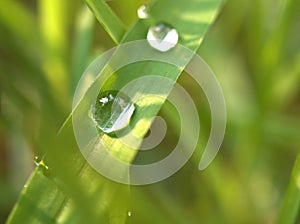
84, 28
111, 23
54, 18
73, 177
291, 201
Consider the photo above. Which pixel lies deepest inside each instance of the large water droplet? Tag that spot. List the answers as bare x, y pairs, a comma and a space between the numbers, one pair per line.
112, 111
143, 12
162, 37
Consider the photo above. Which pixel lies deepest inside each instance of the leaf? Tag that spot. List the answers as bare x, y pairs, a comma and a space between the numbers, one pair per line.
111, 23
291, 202
84, 28
92, 196
54, 21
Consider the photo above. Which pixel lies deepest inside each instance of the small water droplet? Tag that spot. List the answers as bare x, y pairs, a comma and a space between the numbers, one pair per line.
162, 37
129, 213
112, 111
48, 172
37, 160
143, 12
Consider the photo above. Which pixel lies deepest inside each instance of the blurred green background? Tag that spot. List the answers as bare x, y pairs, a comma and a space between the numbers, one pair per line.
254, 50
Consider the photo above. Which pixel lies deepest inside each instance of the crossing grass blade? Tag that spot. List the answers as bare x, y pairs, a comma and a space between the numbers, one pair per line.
108, 19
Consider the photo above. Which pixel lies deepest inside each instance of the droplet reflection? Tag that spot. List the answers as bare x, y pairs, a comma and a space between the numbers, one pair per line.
162, 37
112, 111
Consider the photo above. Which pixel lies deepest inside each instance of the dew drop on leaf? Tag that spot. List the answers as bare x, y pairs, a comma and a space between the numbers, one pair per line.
143, 12
39, 162
162, 37
112, 111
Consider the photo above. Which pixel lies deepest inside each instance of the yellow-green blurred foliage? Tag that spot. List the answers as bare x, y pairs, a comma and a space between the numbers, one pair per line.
254, 50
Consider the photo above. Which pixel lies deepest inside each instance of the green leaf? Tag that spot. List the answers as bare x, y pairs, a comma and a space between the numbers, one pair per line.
87, 194
84, 28
291, 201
37, 206
54, 22
111, 23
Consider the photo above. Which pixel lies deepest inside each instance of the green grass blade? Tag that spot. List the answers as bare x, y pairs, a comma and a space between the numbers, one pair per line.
98, 198
191, 19
111, 23
291, 201
54, 22
84, 28
37, 206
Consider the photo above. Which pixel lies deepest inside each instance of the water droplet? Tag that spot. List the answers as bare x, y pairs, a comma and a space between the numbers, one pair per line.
39, 162
112, 111
143, 12
129, 213
48, 172
162, 37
